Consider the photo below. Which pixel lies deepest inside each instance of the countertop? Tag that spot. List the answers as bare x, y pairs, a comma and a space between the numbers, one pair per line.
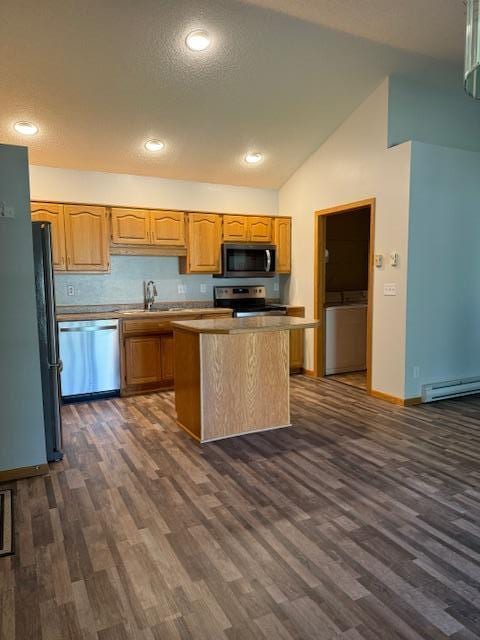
136, 314
245, 325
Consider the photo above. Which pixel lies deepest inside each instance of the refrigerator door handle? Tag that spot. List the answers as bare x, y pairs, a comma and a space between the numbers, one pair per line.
56, 365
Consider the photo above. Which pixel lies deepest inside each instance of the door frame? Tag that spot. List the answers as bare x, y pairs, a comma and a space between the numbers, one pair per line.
319, 282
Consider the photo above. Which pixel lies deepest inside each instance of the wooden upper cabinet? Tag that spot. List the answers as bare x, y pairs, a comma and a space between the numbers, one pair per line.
167, 228
235, 228
204, 239
260, 229
282, 238
50, 212
86, 238
130, 226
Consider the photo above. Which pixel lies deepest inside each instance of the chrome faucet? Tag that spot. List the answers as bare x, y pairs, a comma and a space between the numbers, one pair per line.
150, 291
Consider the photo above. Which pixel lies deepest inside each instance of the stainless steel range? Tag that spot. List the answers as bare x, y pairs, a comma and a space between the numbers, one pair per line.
247, 301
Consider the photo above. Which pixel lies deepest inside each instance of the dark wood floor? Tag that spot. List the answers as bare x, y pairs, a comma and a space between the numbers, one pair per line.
360, 522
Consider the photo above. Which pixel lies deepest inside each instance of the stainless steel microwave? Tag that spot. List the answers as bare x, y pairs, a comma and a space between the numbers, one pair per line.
248, 260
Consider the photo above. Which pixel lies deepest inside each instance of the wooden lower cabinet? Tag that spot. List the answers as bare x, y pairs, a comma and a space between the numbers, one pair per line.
142, 360
296, 350
297, 339
148, 351
167, 357
149, 362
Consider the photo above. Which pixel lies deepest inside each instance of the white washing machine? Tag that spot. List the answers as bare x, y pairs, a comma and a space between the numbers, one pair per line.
345, 338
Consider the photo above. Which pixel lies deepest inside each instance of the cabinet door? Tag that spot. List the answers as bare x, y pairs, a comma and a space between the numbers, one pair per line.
235, 228
130, 226
260, 229
167, 356
167, 228
204, 239
282, 239
142, 360
87, 238
296, 350
49, 212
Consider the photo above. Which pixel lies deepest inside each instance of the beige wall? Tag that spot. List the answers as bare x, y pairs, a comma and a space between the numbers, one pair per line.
355, 164
71, 185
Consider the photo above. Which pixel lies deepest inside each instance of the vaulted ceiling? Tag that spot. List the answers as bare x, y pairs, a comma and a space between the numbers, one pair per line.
101, 77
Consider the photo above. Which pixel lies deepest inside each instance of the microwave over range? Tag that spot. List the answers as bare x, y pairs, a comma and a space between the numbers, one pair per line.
248, 260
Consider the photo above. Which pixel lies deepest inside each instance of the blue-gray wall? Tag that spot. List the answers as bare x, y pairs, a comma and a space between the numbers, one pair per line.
443, 294
125, 283
441, 115
22, 439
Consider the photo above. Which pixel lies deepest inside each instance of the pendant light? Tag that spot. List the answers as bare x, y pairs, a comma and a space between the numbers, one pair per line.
472, 50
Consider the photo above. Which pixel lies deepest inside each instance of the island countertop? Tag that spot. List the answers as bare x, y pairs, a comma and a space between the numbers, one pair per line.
245, 325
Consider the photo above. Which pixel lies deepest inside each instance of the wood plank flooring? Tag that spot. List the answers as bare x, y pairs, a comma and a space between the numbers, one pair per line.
360, 522
354, 379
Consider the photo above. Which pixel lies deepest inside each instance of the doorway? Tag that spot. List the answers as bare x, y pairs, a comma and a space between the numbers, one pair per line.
343, 280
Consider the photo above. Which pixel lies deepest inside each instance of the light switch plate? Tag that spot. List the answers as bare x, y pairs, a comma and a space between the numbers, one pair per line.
390, 289
6, 211
276, 286
203, 288
182, 288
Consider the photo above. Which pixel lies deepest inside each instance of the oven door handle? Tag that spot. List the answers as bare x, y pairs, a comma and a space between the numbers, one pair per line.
268, 260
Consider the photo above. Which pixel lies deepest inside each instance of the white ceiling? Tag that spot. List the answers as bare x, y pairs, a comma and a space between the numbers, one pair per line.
100, 77
430, 27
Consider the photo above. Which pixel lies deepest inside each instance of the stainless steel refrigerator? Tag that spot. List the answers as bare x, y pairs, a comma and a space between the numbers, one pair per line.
48, 337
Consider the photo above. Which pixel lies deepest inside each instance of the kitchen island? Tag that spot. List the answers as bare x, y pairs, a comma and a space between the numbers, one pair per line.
232, 374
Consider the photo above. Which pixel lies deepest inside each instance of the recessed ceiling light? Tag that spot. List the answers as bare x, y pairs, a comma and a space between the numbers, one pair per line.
26, 128
154, 145
253, 157
198, 40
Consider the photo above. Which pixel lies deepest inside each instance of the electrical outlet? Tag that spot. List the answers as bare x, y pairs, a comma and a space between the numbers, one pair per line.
182, 288
70, 290
390, 289
276, 286
416, 372
203, 288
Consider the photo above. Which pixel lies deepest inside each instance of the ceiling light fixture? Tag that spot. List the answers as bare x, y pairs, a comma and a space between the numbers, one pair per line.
154, 145
472, 50
253, 157
198, 40
26, 128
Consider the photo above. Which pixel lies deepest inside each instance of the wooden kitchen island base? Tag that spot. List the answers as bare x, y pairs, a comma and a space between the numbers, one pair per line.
232, 377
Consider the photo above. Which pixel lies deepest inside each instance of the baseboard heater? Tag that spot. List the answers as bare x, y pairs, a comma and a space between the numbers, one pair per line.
451, 389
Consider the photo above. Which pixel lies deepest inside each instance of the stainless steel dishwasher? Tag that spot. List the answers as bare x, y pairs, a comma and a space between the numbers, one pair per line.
90, 353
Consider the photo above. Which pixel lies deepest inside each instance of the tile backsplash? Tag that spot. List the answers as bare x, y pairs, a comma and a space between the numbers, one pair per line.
125, 283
